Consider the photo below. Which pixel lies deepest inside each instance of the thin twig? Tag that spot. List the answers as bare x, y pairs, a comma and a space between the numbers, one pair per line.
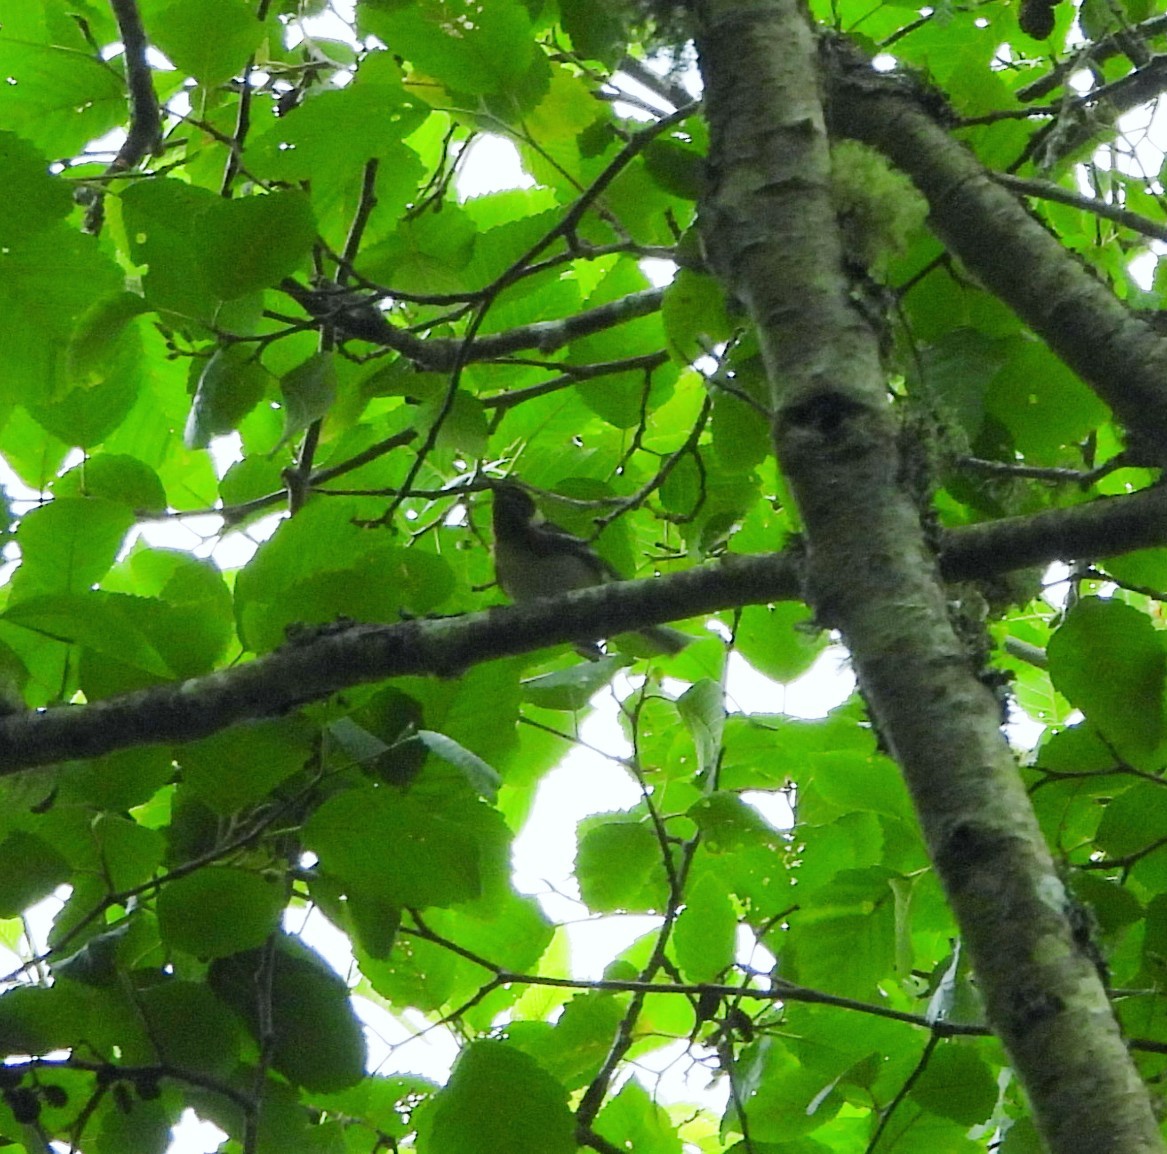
365, 206
662, 474
239, 136
1048, 190
234, 514
125, 898
571, 375
1098, 52
902, 1093
1054, 473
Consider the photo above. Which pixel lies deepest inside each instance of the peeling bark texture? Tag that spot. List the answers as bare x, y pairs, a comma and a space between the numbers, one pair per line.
770, 233
1114, 350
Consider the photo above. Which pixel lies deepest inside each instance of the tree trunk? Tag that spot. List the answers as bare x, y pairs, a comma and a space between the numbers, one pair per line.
771, 234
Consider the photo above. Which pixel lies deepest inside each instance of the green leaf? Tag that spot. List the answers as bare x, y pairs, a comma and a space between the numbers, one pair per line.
30, 869
694, 316
916, 1131
199, 601
571, 688
230, 386
468, 47
704, 934
597, 33
365, 748
480, 776
115, 477
1042, 403
633, 1121
854, 781
680, 171
374, 922
34, 199
332, 131
728, 824
1112, 905
464, 428
67, 546
619, 867
249, 479
319, 566
140, 1126
786, 1099
67, 97
129, 853
97, 963
957, 1084
1146, 568
101, 337
702, 708
843, 939
34, 1020
309, 391
47, 282
957, 370
1108, 659
460, 1121
217, 911
575, 1049
1022, 1138
741, 434
425, 253
402, 848
238, 767
210, 44
316, 1041
251, 243
98, 623
1133, 821
88, 416
779, 640
162, 219
120, 780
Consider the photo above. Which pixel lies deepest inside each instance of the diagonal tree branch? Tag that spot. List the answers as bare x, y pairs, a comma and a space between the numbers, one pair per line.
145, 129
1048, 190
1115, 351
145, 116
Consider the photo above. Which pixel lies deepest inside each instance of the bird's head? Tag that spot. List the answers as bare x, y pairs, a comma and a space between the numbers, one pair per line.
513, 505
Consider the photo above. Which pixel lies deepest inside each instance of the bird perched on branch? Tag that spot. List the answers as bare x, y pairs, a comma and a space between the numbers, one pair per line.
534, 559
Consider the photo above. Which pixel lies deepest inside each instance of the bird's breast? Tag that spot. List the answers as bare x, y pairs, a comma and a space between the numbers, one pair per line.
531, 578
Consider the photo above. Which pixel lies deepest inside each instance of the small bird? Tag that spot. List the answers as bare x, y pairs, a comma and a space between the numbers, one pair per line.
534, 558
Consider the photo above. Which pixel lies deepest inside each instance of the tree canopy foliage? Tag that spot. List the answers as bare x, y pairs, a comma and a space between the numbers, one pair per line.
905, 358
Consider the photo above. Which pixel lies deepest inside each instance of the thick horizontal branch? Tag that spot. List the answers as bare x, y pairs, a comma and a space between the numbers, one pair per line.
1100, 529
1114, 350
336, 657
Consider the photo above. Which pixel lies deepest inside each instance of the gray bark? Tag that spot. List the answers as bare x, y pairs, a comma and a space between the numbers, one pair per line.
771, 235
